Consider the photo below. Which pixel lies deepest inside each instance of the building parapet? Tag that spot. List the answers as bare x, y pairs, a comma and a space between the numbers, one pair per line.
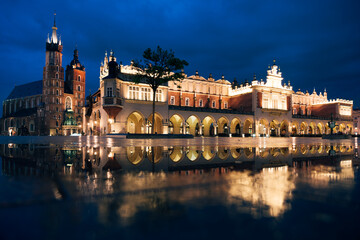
338, 100
321, 118
240, 90
211, 110
262, 83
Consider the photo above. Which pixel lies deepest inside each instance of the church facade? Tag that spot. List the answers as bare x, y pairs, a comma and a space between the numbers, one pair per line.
51, 106
208, 107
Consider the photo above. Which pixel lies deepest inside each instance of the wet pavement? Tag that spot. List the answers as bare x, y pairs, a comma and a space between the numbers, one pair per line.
229, 188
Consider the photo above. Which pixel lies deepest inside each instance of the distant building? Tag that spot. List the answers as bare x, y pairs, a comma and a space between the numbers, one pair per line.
208, 107
356, 120
51, 106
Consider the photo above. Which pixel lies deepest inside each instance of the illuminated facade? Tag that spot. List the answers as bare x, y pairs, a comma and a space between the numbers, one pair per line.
51, 106
208, 107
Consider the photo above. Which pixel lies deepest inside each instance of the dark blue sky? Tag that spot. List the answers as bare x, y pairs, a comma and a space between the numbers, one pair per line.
316, 43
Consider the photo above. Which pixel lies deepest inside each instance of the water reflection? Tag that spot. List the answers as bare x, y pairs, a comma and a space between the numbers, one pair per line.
256, 180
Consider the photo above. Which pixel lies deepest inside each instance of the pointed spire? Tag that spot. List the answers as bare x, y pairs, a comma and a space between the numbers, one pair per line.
54, 38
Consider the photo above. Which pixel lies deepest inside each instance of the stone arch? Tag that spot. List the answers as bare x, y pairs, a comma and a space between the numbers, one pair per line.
176, 124
223, 153
193, 125
319, 128
274, 128
248, 127
235, 152
158, 123
135, 155
192, 153
303, 128
342, 128
249, 152
208, 152
349, 128
176, 154
235, 127
209, 126
223, 126
311, 129
284, 128
294, 128
154, 154
135, 123
263, 127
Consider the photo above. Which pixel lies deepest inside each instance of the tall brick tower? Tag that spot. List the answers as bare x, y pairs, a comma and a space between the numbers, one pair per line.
75, 85
53, 84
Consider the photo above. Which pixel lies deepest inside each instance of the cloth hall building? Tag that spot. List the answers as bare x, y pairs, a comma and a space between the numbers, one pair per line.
209, 107
51, 106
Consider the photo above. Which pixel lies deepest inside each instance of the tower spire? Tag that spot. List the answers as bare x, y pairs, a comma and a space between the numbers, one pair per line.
54, 38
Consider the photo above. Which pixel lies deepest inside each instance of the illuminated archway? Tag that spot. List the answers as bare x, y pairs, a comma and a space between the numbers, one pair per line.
176, 124
192, 153
135, 123
134, 154
223, 126
312, 128
235, 152
235, 127
274, 128
158, 123
263, 127
223, 153
209, 126
294, 128
176, 154
193, 125
248, 127
284, 128
208, 152
319, 128
303, 128
342, 128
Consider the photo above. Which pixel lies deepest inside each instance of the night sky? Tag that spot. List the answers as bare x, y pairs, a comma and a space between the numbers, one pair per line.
316, 43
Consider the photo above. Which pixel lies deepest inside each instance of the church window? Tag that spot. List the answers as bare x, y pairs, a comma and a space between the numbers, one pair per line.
79, 96
68, 103
57, 100
187, 101
57, 68
109, 92
57, 92
79, 78
57, 76
79, 88
213, 104
57, 83
201, 103
172, 100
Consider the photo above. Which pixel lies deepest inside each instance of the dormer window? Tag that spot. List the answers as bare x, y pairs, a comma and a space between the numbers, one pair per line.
172, 100
213, 104
225, 105
200, 103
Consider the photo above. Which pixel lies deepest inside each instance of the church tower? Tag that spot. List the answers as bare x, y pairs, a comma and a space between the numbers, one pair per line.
75, 85
53, 83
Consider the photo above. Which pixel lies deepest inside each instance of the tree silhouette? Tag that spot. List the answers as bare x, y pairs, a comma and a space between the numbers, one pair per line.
157, 68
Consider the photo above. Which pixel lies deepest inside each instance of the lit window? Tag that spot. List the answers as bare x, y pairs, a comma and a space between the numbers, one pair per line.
172, 100
187, 101
200, 103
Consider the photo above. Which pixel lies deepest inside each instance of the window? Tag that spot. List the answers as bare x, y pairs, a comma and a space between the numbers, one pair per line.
158, 96
57, 68
31, 127
79, 96
57, 92
57, 76
57, 100
79, 88
172, 100
57, 109
200, 103
187, 101
109, 92
57, 83
68, 103
225, 105
79, 78
294, 111
213, 104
